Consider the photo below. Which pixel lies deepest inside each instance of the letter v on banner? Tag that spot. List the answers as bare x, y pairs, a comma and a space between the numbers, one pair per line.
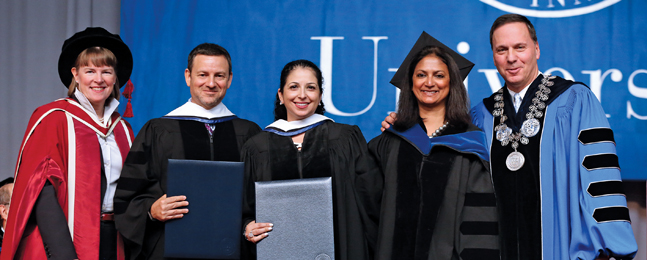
492, 77
325, 64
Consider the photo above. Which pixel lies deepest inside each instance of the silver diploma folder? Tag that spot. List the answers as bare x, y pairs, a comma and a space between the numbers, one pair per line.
302, 213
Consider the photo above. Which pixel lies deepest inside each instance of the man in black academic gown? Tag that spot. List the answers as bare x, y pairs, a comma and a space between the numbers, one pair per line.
201, 129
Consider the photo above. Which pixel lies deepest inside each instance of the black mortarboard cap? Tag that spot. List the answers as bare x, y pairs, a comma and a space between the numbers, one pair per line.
90, 37
423, 41
6, 181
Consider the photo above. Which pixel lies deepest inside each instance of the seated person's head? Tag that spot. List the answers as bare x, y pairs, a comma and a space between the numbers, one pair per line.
6, 188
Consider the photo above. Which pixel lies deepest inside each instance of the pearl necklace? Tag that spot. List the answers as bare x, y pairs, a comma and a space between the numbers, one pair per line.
439, 130
529, 128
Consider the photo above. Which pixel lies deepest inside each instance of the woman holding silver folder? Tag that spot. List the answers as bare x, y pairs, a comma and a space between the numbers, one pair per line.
303, 143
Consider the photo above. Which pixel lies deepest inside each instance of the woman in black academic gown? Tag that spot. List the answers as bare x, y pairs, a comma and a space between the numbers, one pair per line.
324, 148
438, 199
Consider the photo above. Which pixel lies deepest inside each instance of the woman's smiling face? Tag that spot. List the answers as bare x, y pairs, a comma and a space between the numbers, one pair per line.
301, 94
431, 81
96, 83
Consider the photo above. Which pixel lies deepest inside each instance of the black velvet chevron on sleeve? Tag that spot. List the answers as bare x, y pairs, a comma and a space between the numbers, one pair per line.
596, 135
600, 161
605, 188
607, 214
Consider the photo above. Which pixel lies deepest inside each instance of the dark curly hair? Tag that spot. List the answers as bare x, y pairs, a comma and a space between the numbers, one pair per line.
280, 112
457, 104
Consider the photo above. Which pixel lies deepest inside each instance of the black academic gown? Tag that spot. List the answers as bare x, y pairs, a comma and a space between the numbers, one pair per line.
438, 199
520, 191
330, 149
143, 178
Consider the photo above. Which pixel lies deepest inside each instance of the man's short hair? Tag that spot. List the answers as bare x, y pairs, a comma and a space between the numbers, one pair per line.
209, 49
512, 18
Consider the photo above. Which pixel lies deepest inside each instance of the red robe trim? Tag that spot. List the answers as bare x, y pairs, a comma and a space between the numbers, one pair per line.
61, 146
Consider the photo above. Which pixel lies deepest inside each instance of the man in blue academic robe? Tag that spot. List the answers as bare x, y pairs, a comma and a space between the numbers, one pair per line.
553, 158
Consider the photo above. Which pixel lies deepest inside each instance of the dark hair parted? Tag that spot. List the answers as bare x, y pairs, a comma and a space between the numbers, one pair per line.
512, 18
456, 104
280, 112
208, 49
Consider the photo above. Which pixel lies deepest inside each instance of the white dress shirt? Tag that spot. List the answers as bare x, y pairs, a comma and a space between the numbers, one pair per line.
112, 161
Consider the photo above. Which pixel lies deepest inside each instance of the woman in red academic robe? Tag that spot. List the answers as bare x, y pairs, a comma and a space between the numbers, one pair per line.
71, 158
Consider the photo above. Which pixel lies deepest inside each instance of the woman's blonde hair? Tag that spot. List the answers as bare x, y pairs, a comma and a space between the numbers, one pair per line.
98, 56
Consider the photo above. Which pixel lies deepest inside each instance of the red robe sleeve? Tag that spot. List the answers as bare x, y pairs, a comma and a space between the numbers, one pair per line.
42, 158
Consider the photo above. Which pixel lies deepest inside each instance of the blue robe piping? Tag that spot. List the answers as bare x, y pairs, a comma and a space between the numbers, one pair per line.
292, 132
467, 142
201, 119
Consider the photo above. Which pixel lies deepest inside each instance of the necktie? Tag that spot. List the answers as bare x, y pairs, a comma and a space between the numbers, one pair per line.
517, 102
212, 127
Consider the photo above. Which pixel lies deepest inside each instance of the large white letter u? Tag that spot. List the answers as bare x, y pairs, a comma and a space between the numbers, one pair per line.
325, 64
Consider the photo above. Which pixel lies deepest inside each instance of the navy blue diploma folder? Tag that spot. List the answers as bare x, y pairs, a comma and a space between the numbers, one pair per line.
302, 214
212, 228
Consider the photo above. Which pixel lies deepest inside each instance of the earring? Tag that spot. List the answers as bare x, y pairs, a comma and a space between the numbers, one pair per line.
281, 103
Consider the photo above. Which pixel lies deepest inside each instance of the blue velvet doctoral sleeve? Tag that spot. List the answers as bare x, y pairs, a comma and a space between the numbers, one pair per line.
477, 115
585, 152
482, 118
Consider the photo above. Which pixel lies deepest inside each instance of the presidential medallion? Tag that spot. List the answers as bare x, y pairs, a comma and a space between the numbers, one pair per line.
515, 161
503, 133
530, 127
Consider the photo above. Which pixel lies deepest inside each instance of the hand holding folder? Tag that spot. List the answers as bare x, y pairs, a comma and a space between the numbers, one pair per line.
255, 232
167, 208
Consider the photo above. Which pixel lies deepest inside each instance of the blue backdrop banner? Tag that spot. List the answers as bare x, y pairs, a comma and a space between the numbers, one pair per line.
359, 44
